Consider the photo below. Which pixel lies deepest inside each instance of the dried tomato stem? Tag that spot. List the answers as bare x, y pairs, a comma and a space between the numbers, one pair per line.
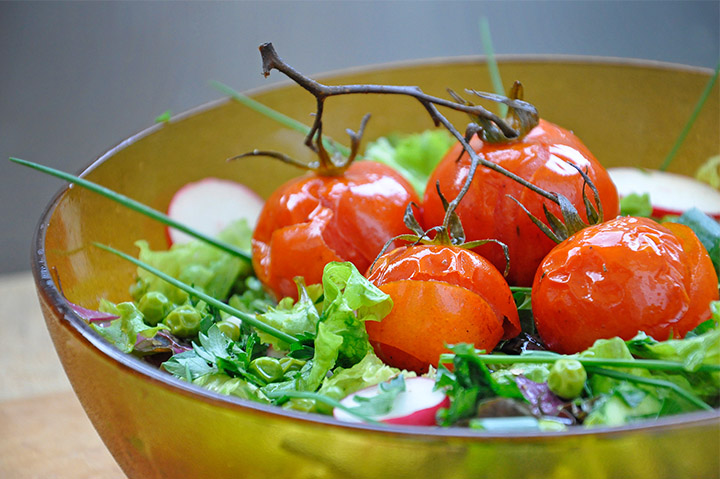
271, 60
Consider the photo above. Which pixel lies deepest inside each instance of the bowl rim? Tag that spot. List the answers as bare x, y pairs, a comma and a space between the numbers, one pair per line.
53, 297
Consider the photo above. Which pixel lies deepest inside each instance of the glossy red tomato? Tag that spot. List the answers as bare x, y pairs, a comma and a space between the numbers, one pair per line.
315, 219
620, 277
441, 295
486, 211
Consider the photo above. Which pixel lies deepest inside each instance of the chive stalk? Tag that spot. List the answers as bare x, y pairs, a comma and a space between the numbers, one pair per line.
521, 289
275, 115
687, 395
548, 358
135, 206
492, 63
691, 121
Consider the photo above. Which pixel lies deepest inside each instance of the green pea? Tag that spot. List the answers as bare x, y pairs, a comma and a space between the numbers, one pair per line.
231, 327
567, 378
183, 321
154, 306
266, 368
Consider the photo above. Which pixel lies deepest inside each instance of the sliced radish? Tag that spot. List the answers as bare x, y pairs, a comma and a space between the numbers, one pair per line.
415, 406
209, 205
670, 193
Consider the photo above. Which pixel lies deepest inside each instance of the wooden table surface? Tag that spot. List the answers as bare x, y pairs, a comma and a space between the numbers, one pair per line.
44, 432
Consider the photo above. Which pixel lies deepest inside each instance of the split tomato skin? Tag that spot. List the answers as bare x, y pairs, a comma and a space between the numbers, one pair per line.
621, 277
315, 219
486, 211
441, 295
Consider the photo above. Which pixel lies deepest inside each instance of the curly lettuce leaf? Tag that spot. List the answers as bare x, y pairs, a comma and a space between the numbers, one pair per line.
636, 204
621, 401
349, 301
345, 381
692, 352
340, 338
505, 379
709, 172
230, 386
414, 156
128, 329
297, 319
196, 263
368, 372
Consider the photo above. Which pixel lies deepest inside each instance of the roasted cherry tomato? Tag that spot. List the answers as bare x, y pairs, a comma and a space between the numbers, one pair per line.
620, 277
541, 157
315, 219
441, 295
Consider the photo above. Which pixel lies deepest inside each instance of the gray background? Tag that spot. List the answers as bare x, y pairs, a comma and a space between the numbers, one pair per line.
78, 77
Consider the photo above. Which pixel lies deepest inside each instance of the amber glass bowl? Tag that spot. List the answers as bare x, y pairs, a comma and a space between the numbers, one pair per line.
628, 113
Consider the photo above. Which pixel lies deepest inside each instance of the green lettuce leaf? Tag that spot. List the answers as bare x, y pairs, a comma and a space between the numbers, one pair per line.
635, 204
297, 319
224, 384
349, 300
123, 332
692, 352
196, 263
505, 385
621, 401
709, 172
343, 381
613, 348
340, 338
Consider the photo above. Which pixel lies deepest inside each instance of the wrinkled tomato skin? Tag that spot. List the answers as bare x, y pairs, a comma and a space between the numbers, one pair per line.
621, 277
315, 219
486, 211
441, 295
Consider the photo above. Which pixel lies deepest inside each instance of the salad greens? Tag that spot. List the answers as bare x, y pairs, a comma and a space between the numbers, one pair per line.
603, 394
321, 332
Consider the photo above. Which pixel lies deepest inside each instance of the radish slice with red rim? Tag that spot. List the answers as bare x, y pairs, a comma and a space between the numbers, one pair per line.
417, 405
670, 193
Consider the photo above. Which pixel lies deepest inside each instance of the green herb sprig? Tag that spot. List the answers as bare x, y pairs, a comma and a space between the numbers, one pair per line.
600, 365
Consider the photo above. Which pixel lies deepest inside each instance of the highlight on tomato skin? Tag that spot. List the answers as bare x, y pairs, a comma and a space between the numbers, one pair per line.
621, 277
486, 211
442, 295
315, 219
